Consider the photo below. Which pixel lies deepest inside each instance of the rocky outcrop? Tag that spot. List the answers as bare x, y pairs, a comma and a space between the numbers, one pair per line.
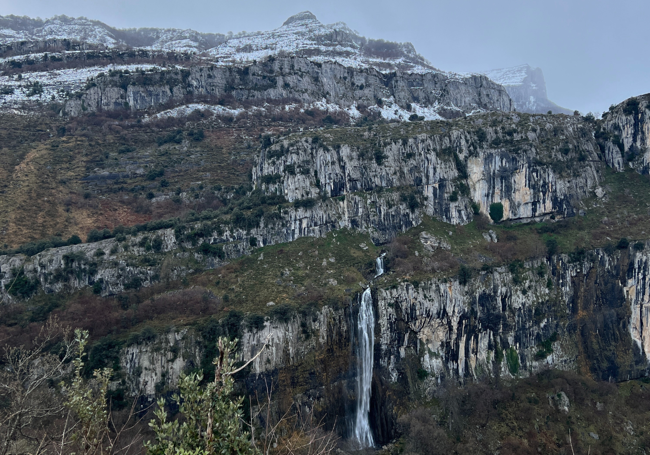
292, 78
626, 134
588, 315
533, 166
145, 258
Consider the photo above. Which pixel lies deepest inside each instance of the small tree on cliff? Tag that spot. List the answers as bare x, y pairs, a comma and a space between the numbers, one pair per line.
496, 211
211, 421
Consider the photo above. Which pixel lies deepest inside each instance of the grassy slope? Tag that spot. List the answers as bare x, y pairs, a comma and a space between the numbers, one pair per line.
44, 178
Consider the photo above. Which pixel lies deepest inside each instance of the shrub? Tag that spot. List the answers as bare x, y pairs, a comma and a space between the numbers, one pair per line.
252, 241
146, 335
464, 275
513, 361
623, 244
631, 107
232, 323
578, 255
74, 240
212, 250
380, 156
481, 135
22, 286
134, 283
271, 179
282, 313
174, 136
255, 322
476, 209
125, 149
105, 353
422, 374
639, 246
157, 244
551, 246
96, 235
304, 203
461, 167
496, 211
411, 201
35, 88
153, 174
197, 135
97, 287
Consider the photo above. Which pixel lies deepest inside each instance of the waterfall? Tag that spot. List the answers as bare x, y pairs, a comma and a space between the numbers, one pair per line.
380, 265
366, 328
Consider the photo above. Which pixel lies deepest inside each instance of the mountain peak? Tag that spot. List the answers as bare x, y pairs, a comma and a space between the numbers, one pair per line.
305, 16
527, 88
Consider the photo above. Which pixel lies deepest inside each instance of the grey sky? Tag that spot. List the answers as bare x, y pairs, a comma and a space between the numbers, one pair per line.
593, 52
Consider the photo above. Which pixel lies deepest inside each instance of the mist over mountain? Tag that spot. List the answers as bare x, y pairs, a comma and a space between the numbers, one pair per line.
527, 88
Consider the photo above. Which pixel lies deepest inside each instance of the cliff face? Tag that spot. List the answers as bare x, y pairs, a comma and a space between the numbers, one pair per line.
292, 77
588, 315
520, 162
627, 134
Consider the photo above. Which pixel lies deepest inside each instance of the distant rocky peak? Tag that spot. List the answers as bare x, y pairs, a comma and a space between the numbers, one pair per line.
527, 88
305, 16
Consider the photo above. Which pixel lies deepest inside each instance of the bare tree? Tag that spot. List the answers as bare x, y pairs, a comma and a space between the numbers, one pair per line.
291, 434
25, 385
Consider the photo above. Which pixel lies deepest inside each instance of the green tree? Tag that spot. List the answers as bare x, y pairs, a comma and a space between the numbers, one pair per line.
87, 402
211, 421
496, 211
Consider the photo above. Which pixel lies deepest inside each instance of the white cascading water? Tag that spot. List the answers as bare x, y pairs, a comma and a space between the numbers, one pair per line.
380, 265
362, 432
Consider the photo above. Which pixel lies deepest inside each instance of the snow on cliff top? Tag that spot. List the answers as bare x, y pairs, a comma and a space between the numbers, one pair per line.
61, 27
509, 76
301, 34
304, 35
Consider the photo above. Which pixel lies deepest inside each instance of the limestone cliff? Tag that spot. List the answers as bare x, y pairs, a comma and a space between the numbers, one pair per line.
626, 134
292, 78
520, 161
587, 315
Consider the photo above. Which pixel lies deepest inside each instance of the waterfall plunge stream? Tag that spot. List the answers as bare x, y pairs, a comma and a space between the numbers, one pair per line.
366, 327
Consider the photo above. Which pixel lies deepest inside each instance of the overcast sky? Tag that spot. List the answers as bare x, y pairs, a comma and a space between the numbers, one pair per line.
593, 52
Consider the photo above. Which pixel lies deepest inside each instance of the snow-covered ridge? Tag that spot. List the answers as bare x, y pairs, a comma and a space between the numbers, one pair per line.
14, 30
301, 34
509, 76
389, 110
304, 35
54, 85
